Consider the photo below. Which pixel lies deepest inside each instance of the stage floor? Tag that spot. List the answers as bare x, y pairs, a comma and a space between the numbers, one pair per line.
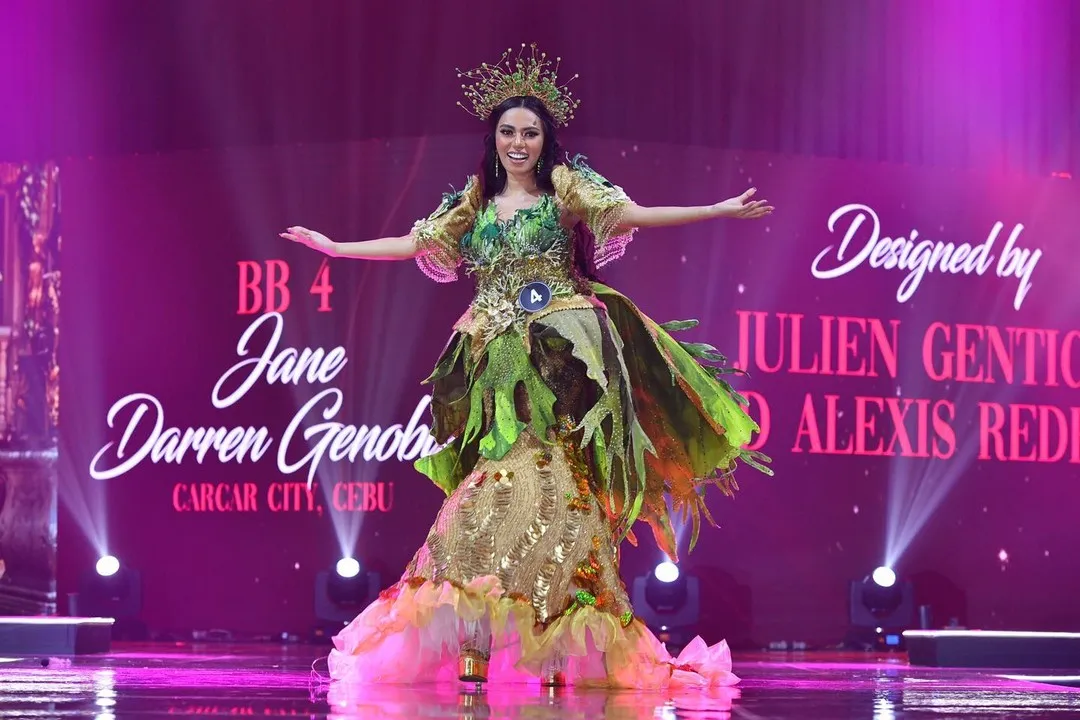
208, 679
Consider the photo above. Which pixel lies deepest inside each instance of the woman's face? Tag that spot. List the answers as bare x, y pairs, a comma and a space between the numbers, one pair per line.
519, 140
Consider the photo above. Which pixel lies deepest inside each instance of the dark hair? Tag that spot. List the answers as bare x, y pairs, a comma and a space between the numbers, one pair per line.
552, 153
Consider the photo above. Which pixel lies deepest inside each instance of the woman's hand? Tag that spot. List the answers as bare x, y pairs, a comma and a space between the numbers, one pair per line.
311, 238
742, 207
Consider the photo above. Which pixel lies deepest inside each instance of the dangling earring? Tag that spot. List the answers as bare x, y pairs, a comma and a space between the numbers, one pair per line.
496, 167
539, 164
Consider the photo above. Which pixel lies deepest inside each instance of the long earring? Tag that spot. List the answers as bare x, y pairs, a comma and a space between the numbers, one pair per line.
496, 167
539, 164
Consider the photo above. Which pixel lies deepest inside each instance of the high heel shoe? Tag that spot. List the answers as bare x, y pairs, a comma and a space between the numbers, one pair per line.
472, 666
474, 655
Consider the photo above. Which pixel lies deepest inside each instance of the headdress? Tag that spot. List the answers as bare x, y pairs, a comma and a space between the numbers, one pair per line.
529, 76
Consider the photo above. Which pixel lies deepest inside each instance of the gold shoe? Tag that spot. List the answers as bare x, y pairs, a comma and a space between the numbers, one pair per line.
472, 667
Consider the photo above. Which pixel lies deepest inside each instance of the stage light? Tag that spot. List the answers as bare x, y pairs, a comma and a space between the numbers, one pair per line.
669, 603
885, 577
881, 600
342, 593
348, 567
108, 566
881, 608
111, 590
666, 572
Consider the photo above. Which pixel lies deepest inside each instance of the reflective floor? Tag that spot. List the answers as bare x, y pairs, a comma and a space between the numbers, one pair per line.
137, 681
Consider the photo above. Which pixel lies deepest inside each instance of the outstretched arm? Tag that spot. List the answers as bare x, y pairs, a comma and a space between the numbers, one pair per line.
741, 207
392, 248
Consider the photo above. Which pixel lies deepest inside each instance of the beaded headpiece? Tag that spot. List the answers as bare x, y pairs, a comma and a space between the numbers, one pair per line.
529, 76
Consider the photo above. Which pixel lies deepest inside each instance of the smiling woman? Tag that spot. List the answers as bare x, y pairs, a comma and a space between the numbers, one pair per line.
565, 417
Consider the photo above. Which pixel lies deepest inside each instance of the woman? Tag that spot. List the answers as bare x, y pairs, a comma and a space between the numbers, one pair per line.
567, 416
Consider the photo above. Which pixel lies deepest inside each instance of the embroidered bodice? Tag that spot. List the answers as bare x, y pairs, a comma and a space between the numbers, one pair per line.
531, 246
531, 231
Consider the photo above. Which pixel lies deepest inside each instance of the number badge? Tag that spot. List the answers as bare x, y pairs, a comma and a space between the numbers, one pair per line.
534, 296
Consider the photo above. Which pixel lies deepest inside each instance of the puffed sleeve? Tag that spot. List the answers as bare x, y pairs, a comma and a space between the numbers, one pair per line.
591, 197
438, 236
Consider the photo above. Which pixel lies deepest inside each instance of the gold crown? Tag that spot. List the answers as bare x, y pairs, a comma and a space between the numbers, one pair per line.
529, 76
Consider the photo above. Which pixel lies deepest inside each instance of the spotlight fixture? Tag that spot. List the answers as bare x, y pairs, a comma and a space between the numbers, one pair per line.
881, 609
343, 592
111, 590
669, 603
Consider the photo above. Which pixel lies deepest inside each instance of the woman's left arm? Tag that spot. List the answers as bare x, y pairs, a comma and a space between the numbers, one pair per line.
741, 207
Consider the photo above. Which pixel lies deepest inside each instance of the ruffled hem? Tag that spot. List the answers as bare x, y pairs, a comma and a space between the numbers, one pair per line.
413, 631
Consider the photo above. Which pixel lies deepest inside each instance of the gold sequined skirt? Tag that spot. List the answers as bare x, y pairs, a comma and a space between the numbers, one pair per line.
530, 520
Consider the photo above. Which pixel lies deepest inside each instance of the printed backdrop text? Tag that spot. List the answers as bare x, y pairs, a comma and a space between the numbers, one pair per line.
239, 411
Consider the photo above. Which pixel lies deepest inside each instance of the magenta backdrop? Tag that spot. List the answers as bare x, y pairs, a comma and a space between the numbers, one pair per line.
156, 246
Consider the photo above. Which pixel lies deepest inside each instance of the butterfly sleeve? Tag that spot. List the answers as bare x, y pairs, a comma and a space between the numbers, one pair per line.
438, 236
598, 202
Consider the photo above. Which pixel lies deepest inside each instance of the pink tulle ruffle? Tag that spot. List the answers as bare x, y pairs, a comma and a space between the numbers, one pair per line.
413, 634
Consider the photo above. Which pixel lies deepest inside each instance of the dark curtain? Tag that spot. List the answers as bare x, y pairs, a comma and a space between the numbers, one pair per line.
990, 85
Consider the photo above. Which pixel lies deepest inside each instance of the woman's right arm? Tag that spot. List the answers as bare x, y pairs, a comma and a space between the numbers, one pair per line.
392, 248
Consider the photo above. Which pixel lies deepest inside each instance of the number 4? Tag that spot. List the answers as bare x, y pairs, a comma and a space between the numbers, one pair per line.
535, 297
322, 286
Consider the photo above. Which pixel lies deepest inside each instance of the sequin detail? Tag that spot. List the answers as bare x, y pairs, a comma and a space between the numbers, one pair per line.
589, 195
579, 468
527, 540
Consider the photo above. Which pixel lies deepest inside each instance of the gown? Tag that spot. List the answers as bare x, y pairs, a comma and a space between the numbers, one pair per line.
561, 426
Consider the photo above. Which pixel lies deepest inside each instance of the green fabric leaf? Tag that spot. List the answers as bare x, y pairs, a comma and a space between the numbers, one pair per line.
710, 432
451, 199
717, 402
507, 365
676, 325
582, 329
442, 468
755, 459
639, 444
601, 458
505, 429
607, 406
622, 450
578, 162
449, 358
703, 351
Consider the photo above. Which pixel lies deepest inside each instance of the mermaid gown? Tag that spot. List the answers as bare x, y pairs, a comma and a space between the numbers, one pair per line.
561, 427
